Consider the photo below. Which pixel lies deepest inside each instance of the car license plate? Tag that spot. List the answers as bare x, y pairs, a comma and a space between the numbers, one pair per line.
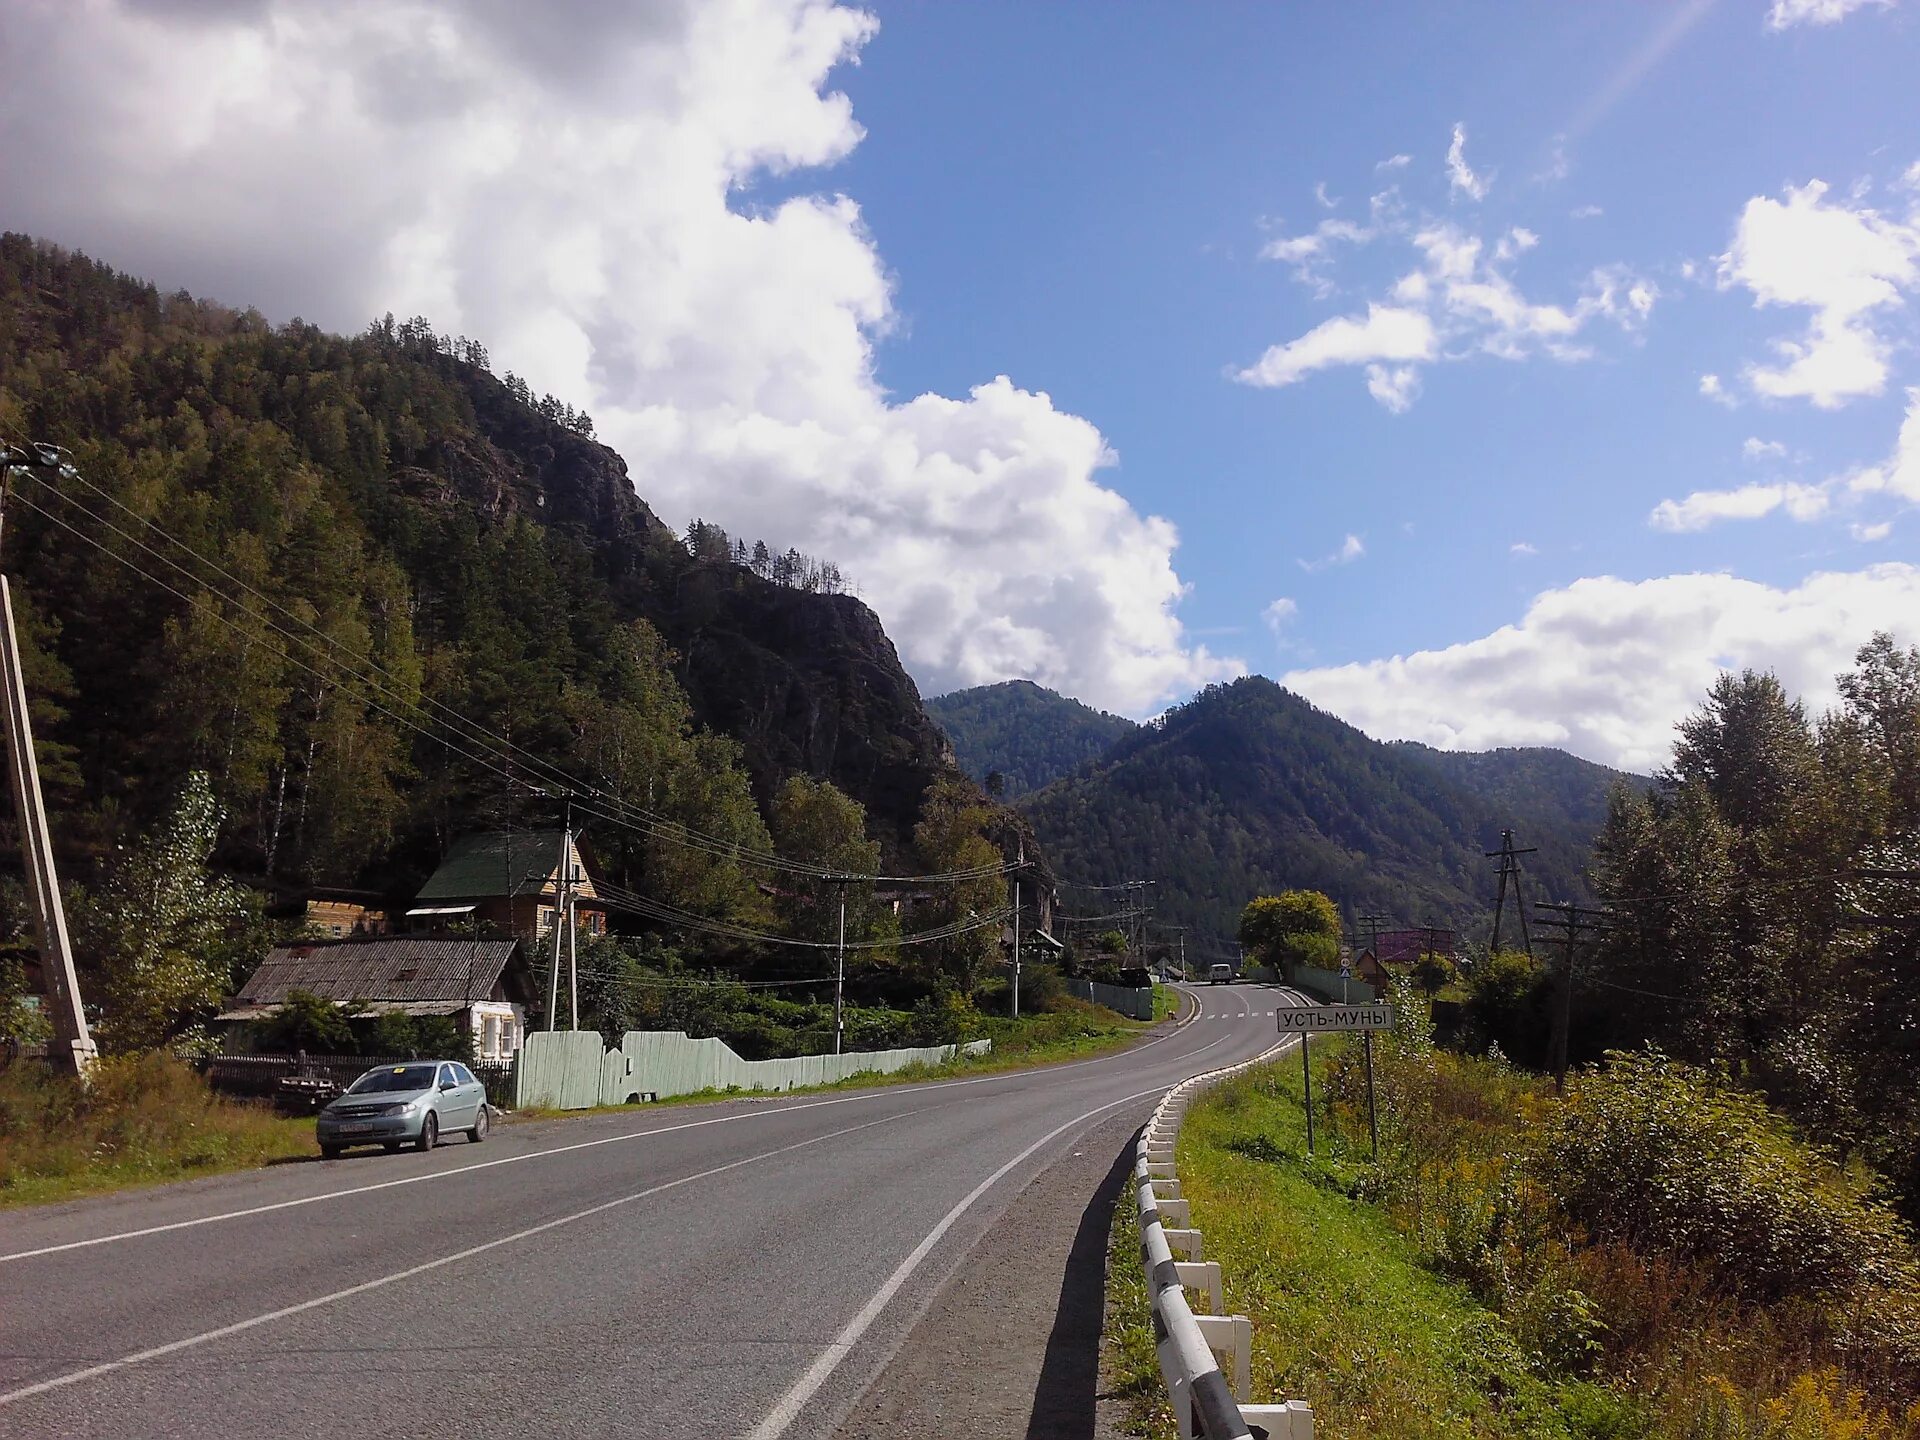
356, 1129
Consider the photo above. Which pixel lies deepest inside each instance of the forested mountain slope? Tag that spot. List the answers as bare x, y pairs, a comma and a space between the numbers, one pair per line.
1027, 735
469, 540
1248, 788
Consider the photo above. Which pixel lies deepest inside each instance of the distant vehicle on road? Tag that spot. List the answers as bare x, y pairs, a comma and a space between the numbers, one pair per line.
414, 1103
1220, 974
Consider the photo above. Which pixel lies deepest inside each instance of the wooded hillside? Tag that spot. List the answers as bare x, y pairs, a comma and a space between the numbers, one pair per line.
1247, 788
470, 543
1024, 734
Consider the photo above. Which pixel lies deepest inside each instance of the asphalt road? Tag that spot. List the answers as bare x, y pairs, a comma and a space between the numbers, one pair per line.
747, 1268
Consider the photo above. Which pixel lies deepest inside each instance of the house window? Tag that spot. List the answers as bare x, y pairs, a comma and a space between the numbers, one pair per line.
506, 1036
490, 1036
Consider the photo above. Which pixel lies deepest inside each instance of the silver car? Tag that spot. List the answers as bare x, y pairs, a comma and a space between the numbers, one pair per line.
414, 1103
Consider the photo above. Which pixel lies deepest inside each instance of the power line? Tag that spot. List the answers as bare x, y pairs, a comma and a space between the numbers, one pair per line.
501, 755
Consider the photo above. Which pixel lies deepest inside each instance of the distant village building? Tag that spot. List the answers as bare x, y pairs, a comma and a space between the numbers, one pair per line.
510, 883
1367, 967
485, 986
336, 918
1404, 947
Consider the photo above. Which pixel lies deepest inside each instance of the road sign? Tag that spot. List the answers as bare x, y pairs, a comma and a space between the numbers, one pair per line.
1346, 970
1323, 1019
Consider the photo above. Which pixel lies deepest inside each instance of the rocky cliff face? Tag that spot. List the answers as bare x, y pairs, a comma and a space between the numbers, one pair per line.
806, 683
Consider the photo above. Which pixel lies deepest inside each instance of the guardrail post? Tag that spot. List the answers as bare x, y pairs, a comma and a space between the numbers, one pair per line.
1202, 1275
1187, 1242
1165, 1187
1232, 1336
1291, 1421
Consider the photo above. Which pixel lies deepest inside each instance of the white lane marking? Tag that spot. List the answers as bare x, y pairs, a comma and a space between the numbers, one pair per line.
174, 1347
808, 1385
756, 1114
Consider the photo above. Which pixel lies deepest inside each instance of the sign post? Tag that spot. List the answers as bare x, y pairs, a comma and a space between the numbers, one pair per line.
1306, 1021
1306, 1081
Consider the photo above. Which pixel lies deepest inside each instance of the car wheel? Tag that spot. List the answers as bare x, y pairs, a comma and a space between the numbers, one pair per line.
331, 1152
429, 1132
482, 1122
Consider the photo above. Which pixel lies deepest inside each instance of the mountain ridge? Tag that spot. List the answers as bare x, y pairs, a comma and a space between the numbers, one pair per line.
1249, 787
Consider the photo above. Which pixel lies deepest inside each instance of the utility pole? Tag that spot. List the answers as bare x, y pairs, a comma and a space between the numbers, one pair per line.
563, 893
840, 965
1509, 859
73, 1048
1136, 911
573, 957
1372, 922
1019, 866
1575, 921
1183, 953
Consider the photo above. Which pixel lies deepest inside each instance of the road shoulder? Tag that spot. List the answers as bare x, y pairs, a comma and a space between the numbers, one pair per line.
1010, 1345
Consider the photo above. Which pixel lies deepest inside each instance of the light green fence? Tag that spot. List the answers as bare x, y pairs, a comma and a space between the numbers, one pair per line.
1134, 1003
1327, 984
573, 1070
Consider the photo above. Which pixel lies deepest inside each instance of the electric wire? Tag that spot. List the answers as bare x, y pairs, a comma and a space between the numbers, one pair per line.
501, 755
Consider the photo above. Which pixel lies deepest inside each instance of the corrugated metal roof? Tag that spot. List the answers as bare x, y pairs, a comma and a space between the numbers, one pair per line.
370, 1007
387, 968
497, 863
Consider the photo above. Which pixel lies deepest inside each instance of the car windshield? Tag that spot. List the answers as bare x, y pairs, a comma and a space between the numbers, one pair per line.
396, 1077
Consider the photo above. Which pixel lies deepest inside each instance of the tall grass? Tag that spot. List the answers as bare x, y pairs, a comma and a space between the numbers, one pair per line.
139, 1119
1657, 1232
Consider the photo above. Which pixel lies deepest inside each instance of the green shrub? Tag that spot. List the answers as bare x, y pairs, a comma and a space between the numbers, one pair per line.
1508, 1005
139, 1117
308, 1022
1669, 1159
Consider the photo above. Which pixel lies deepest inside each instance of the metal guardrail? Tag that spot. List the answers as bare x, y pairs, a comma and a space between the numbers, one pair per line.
1189, 1346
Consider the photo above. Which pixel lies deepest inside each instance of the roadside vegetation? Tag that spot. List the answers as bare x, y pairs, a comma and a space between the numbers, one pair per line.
1656, 1254
149, 1118
141, 1120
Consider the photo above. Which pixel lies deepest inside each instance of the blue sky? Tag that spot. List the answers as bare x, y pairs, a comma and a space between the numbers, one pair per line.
1078, 197
1489, 374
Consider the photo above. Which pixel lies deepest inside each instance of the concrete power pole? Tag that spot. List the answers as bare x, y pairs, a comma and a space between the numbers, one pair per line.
840, 971
563, 894
1575, 921
1019, 865
73, 1048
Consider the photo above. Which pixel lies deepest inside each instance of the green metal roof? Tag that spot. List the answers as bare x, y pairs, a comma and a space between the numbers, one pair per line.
495, 864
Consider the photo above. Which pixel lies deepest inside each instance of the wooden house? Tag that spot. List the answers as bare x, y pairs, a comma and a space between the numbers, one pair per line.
510, 884
486, 986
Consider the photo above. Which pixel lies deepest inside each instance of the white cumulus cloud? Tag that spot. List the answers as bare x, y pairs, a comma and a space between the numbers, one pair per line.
1350, 550
572, 184
1899, 475
1607, 667
1461, 299
1305, 253
1846, 263
1746, 502
1785, 14
1460, 175
1754, 448
1280, 614
1385, 333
